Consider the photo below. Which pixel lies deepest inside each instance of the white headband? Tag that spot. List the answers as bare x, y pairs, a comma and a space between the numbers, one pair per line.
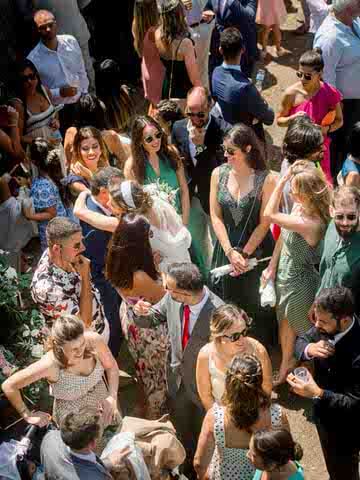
125, 189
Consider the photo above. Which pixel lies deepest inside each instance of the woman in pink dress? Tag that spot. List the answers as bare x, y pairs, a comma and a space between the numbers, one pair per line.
146, 19
315, 98
271, 14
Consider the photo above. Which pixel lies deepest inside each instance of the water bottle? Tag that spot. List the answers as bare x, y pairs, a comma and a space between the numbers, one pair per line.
259, 80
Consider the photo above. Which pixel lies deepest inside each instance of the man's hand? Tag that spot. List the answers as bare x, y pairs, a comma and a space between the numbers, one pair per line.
309, 389
321, 349
208, 16
82, 266
67, 91
197, 135
117, 457
142, 308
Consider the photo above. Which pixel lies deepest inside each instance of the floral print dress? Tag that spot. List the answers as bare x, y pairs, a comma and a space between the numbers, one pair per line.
149, 348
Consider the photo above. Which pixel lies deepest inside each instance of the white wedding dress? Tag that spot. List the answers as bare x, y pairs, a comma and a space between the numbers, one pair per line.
172, 240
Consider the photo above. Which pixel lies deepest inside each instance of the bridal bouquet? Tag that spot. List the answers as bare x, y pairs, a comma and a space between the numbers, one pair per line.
163, 191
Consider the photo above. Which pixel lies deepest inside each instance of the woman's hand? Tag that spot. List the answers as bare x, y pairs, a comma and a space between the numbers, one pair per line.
82, 171
40, 419
239, 263
109, 410
268, 274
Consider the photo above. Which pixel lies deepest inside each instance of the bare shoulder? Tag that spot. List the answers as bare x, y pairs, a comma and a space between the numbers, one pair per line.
205, 352
128, 168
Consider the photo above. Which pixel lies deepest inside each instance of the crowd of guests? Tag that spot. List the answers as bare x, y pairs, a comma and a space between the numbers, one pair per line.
165, 230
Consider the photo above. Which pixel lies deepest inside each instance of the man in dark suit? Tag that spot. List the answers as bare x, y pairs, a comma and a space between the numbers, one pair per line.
333, 344
187, 308
233, 13
96, 242
68, 453
199, 140
238, 98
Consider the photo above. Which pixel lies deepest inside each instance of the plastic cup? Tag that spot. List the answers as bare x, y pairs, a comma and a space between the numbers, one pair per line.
302, 374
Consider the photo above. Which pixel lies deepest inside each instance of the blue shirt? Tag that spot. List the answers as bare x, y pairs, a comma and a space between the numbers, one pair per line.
349, 166
341, 53
298, 475
45, 194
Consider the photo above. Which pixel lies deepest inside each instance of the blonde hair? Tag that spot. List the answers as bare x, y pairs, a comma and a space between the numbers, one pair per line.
84, 134
311, 184
66, 329
224, 317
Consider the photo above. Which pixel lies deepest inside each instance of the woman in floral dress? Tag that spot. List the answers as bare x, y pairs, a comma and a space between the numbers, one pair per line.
131, 269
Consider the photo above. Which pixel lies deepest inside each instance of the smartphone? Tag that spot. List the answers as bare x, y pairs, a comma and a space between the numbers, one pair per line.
4, 116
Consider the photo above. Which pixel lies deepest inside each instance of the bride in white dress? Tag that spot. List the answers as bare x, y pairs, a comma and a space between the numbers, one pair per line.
170, 239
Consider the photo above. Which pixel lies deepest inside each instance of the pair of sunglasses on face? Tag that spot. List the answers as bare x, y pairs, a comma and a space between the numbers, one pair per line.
151, 138
228, 150
234, 337
307, 76
201, 115
350, 216
26, 78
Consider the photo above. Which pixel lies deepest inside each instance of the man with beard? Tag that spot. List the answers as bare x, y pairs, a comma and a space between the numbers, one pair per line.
333, 344
340, 262
62, 280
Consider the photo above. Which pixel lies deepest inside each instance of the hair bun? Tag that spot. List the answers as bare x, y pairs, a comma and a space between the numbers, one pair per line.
298, 451
318, 50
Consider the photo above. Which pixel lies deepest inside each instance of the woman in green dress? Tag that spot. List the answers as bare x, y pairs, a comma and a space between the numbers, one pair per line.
153, 160
295, 261
239, 192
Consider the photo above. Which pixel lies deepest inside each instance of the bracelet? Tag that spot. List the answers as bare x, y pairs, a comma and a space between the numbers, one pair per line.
229, 250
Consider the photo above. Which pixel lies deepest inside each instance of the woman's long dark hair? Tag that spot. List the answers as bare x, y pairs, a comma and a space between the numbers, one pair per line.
129, 252
19, 87
276, 447
138, 151
90, 110
242, 136
47, 159
244, 396
173, 24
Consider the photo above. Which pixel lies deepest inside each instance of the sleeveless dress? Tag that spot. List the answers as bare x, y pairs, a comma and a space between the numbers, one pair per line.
152, 69
240, 219
176, 82
72, 392
232, 463
297, 280
149, 349
316, 108
168, 176
298, 475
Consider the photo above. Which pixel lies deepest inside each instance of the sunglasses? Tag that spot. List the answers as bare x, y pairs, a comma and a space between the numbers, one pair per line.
234, 337
307, 76
46, 26
193, 114
151, 138
228, 150
350, 216
26, 78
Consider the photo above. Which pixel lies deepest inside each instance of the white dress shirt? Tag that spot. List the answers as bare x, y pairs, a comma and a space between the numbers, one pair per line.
60, 67
192, 146
195, 312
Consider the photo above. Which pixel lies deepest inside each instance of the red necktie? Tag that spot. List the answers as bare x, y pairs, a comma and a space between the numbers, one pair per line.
186, 321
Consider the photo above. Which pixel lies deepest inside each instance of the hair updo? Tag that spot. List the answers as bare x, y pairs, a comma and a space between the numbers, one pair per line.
312, 59
276, 447
224, 317
244, 396
142, 199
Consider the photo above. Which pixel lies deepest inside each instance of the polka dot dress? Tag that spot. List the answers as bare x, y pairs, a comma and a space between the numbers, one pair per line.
232, 463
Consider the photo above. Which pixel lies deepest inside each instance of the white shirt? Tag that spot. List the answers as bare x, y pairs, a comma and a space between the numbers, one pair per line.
60, 67
195, 312
106, 211
192, 146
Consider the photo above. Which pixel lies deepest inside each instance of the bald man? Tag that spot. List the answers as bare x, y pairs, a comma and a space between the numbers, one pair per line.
199, 138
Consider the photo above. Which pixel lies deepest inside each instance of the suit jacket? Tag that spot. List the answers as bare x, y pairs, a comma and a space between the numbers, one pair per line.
95, 242
183, 370
239, 99
60, 464
339, 376
240, 14
210, 158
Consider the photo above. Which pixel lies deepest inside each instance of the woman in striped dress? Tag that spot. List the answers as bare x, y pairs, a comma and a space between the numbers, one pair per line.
298, 253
